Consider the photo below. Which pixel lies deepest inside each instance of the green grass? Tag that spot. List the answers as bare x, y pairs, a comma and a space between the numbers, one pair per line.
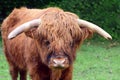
95, 61
4, 71
98, 61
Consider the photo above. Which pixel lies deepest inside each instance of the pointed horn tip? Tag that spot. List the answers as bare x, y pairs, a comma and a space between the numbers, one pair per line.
108, 37
10, 37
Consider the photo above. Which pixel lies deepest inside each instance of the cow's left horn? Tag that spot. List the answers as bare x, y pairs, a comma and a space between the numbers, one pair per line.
94, 27
24, 27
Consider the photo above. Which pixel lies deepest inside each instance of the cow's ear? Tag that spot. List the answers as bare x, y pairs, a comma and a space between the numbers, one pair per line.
32, 33
86, 32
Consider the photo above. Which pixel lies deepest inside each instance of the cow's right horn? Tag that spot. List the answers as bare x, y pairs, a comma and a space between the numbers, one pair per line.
24, 27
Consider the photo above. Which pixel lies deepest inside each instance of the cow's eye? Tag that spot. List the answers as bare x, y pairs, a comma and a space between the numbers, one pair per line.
47, 43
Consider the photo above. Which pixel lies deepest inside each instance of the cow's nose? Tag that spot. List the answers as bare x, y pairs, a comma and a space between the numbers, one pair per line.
59, 61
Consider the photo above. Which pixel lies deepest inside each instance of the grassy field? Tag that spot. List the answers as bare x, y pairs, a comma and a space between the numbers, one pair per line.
95, 61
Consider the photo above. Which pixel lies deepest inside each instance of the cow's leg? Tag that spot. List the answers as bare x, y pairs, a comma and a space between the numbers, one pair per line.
13, 72
67, 74
12, 68
38, 72
33, 69
23, 74
34, 73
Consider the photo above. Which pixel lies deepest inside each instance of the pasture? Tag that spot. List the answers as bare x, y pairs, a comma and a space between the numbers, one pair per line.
95, 61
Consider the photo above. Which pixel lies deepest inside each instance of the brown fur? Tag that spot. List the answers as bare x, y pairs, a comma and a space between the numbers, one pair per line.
28, 51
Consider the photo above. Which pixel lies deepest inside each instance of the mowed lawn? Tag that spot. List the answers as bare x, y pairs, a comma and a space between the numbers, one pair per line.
95, 61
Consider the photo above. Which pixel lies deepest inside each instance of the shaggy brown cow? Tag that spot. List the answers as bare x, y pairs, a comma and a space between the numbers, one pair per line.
44, 42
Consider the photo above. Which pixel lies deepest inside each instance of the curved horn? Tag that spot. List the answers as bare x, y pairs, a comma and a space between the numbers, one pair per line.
94, 27
24, 27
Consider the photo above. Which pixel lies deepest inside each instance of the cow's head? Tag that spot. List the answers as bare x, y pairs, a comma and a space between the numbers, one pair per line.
58, 34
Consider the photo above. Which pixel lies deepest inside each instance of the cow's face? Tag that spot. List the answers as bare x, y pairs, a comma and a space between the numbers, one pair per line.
58, 41
59, 53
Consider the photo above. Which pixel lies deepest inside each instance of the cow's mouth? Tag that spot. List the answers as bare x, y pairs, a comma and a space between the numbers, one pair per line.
58, 62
